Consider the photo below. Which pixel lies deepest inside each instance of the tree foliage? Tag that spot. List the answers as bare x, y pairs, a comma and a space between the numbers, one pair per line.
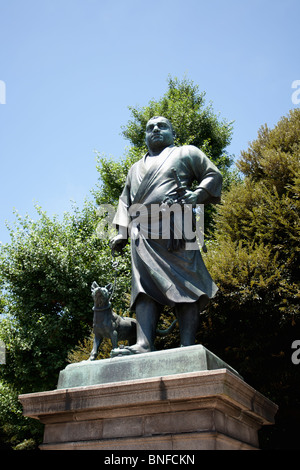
46, 274
274, 156
47, 271
254, 259
193, 122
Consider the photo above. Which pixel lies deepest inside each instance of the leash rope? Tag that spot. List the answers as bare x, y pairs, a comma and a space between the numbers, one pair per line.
114, 265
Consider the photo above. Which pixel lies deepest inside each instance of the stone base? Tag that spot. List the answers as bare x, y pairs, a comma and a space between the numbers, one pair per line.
141, 366
208, 409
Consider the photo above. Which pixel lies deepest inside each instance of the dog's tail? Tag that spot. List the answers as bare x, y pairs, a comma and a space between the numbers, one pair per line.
167, 331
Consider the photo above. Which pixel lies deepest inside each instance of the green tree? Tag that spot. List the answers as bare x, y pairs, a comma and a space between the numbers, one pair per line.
46, 272
193, 122
254, 258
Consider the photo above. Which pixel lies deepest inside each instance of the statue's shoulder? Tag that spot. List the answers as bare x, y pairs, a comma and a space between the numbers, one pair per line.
191, 151
135, 165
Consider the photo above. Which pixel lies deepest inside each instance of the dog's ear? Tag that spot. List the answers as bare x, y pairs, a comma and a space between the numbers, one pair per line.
94, 286
109, 287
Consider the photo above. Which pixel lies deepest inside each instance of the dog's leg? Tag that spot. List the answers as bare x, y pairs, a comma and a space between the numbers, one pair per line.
114, 338
96, 344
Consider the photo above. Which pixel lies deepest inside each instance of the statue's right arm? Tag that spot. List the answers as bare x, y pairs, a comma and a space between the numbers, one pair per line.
118, 242
121, 220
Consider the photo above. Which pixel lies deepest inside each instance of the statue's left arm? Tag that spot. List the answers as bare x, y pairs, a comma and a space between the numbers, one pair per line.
208, 176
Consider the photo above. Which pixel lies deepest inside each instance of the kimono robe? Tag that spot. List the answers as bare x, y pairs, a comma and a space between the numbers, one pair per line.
168, 277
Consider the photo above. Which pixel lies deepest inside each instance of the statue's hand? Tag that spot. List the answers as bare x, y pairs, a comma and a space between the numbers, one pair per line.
117, 243
189, 197
194, 197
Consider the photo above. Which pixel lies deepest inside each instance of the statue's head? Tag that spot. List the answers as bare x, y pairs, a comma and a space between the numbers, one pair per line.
159, 133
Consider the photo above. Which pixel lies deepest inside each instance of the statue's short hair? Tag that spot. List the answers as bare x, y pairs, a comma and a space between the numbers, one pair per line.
168, 121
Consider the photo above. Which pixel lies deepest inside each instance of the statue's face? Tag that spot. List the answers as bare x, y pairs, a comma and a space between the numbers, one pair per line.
159, 134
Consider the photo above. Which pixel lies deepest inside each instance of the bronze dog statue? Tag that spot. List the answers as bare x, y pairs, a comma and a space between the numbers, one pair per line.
106, 323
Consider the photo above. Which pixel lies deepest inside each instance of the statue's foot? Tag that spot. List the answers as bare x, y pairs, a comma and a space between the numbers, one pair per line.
129, 350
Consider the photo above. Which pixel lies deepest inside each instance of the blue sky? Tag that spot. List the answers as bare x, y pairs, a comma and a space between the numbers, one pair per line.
71, 68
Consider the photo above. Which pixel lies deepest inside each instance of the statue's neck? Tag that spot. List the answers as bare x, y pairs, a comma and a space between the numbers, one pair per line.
155, 153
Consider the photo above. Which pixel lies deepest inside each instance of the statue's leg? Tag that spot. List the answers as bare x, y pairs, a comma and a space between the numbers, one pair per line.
147, 314
189, 321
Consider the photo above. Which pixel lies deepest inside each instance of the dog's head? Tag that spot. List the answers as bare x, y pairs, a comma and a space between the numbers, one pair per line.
101, 295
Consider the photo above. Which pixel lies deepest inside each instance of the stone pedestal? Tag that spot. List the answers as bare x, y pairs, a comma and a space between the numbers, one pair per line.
187, 410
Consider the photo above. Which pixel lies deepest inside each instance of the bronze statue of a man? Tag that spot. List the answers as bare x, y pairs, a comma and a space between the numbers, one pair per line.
160, 276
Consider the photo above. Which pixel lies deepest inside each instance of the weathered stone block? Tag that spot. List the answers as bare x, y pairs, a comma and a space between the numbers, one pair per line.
212, 409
